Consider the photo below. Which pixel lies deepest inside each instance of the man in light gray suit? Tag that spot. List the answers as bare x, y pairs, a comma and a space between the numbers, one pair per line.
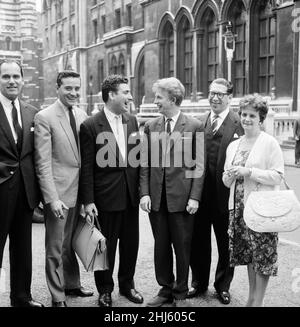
57, 158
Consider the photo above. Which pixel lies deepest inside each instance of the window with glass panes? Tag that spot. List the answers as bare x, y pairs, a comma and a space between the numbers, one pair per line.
239, 67
188, 61
212, 50
114, 65
185, 57
167, 51
266, 64
122, 64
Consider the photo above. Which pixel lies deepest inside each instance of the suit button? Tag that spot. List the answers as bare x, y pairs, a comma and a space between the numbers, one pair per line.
11, 172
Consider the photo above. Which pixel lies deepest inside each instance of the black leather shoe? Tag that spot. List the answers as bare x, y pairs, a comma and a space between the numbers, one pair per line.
78, 292
224, 297
194, 292
133, 295
158, 301
61, 304
26, 304
105, 300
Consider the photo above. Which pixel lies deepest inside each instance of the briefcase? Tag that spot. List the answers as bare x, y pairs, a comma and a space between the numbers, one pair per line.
90, 245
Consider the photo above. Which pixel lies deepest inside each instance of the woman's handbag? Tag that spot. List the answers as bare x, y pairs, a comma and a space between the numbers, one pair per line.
272, 211
90, 245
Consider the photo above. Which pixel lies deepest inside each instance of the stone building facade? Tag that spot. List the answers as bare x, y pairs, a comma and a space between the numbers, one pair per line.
19, 41
149, 39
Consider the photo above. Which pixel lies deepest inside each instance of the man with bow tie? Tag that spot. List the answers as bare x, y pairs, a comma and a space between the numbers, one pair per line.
58, 162
19, 192
109, 185
222, 126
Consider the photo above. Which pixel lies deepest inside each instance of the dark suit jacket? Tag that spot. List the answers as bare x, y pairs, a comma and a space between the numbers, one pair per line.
297, 128
179, 188
9, 157
232, 129
108, 187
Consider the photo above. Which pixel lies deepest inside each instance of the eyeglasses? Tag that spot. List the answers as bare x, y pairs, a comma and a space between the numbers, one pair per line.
218, 94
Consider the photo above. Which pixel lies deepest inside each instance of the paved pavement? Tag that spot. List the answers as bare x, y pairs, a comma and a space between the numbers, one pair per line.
283, 290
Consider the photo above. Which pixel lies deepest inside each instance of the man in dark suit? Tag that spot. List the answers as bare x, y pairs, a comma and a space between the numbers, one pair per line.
297, 139
19, 193
222, 126
109, 185
170, 185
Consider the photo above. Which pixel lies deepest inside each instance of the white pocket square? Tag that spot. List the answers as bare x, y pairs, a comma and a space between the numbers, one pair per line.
235, 136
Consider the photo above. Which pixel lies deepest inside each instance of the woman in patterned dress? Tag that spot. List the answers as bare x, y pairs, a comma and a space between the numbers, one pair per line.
253, 162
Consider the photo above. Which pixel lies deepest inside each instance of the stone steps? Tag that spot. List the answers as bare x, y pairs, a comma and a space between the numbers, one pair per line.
289, 143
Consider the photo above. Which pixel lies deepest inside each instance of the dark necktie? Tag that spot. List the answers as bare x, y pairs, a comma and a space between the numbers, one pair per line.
17, 127
73, 124
168, 130
214, 125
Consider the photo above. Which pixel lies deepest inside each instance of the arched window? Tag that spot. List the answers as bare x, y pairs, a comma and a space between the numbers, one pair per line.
237, 15
264, 48
167, 51
8, 43
113, 65
122, 65
208, 50
185, 55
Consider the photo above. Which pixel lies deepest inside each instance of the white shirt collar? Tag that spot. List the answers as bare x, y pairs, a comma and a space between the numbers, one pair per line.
7, 102
66, 109
174, 118
110, 115
222, 115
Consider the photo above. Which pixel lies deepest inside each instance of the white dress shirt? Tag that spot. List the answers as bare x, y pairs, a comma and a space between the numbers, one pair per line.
66, 110
173, 121
221, 118
7, 106
116, 124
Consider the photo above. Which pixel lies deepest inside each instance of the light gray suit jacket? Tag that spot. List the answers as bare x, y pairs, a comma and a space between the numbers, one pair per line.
57, 157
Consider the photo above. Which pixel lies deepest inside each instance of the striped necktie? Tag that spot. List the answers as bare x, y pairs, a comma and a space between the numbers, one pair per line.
17, 127
214, 125
168, 129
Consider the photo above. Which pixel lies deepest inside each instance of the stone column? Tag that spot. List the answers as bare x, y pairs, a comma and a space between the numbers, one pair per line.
199, 67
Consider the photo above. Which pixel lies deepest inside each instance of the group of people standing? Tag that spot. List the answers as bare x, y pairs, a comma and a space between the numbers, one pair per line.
188, 174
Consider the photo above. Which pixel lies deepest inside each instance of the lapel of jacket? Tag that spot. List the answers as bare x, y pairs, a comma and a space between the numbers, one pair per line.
178, 129
127, 130
206, 120
4, 124
65, 124
160, 129
108, 134
27, 124
229, 127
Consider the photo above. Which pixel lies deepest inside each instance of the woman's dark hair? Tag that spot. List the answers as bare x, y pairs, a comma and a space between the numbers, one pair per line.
111, 84
257, 102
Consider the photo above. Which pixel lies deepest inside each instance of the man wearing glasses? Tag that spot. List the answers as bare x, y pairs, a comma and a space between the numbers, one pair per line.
222, 126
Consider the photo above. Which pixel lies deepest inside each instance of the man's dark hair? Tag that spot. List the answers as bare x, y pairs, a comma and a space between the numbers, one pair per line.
224, 82
65, 74
111, 84
11, 61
